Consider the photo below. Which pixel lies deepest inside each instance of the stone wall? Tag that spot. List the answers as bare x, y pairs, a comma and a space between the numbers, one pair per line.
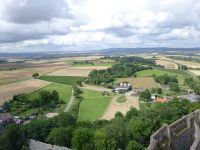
36, 145
183, 134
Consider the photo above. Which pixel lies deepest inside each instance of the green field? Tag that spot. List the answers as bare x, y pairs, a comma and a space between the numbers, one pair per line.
93, 106
64, 91
158, 72
91, 93
68, 80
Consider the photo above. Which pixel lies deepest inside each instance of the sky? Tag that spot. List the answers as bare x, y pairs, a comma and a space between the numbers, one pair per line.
68, 25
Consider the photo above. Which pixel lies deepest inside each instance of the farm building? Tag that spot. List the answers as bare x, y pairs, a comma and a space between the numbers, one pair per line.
6, 118
123, 87
193, 97
138, 91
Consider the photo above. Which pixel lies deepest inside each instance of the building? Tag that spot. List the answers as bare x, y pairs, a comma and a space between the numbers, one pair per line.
161, 100
193, 97
123, 87
6, 118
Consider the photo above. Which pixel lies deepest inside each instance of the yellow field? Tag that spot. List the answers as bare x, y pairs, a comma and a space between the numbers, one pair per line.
9, 90
196, 72
189, 64
140, 82
75, 71
168, 64
114, 106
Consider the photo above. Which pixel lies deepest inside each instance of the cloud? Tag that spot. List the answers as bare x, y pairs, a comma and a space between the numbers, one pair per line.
32, 11
92, 24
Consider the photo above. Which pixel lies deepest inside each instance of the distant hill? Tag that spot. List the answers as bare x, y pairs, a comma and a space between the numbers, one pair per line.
109, 52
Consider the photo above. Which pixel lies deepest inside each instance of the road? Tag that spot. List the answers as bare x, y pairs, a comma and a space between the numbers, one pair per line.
70, 102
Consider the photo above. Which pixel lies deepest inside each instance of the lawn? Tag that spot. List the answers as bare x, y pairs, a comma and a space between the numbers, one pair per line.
93, 106
158, 72
64, 91
91, 93
68, 80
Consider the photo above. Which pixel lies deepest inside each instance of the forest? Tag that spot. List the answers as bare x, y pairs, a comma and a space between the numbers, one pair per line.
129, 132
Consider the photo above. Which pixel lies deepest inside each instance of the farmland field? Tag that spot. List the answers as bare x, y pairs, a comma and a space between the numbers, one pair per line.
196, 72
168, 64
114, 106
158, 72
75, 71
189, 64
93, 106
139, 82
9, 90
68, 80
93, 65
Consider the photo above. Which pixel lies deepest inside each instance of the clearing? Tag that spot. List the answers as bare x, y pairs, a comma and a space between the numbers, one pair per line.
139, 82
9, 90
114, 106
93, 106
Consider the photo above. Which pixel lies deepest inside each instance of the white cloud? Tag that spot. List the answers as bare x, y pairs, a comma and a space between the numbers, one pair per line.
98, 23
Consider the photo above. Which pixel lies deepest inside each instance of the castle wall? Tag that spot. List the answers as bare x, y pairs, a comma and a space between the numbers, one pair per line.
180, 135
36, 145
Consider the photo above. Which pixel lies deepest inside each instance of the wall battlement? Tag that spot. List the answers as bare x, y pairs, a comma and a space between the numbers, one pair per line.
183, 134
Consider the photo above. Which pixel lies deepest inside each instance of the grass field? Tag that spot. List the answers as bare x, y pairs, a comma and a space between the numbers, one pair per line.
68, 80
64, 91
158, 72
93, 105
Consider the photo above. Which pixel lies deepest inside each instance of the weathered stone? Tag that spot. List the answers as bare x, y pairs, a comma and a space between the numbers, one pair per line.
183, 134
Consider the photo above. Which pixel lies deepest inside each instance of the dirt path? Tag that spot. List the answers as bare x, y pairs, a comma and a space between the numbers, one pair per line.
70, 102
131, 101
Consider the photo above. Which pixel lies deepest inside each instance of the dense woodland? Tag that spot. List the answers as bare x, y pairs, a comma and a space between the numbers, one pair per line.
129, 132
125, 67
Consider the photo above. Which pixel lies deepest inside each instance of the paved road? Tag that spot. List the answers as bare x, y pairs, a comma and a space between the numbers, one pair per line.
70, 102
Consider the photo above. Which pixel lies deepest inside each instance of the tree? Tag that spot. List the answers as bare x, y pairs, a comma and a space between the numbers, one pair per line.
101, 140
45, 97
159, 90
146, 95
6, 107
60, 136
12, 138
134, 145
35, 75
83, 139
65, 120
174, 87
55, 96
39, 129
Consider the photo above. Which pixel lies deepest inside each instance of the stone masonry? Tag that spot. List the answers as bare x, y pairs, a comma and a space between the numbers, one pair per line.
183, 134
36, 145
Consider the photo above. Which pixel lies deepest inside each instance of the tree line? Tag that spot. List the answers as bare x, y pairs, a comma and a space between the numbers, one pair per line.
129, 132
